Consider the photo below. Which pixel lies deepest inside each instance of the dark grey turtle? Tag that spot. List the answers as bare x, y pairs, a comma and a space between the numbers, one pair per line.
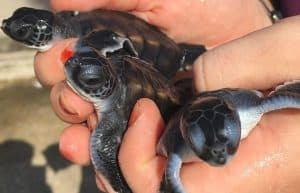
211, 126
116, 32
113, 85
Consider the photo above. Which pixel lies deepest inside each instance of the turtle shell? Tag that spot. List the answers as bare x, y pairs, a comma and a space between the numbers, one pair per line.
41, 28
150, 44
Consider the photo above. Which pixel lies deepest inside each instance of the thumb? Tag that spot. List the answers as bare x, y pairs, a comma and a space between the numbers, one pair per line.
140, 164
259, 60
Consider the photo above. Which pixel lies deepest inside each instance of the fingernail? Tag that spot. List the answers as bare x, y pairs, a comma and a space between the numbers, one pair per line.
100, 184
92, 121
104, 183
141, 15
135, 114
68, 52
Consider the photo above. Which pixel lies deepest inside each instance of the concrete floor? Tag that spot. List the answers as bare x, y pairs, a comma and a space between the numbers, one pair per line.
29, 130
29, 133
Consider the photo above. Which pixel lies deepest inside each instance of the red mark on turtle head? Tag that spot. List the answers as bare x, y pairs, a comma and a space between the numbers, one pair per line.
66, 54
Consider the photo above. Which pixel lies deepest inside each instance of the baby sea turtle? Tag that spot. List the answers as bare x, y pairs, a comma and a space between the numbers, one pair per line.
114, 30
114, 84
211, 126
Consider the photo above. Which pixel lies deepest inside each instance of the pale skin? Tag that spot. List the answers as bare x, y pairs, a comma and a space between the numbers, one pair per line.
257, 61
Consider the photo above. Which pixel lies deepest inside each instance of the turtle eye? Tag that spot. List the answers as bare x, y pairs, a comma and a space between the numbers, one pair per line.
91, 79
22, 33
92, 76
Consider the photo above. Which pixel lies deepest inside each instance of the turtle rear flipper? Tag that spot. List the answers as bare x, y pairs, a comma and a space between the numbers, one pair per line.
171, 182
104, 147
284, 96
191, 53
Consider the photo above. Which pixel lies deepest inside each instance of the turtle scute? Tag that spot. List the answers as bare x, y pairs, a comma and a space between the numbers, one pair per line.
211, 128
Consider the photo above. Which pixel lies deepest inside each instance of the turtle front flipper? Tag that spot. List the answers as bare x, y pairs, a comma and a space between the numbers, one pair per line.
284, 96
104, 148
171, 182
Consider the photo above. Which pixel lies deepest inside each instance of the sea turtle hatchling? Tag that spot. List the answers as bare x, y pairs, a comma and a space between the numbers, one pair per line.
114, 84
112, 31
211, 126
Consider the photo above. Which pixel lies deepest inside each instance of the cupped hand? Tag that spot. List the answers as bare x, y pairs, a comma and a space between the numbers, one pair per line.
266, 161
208, 22
259, 61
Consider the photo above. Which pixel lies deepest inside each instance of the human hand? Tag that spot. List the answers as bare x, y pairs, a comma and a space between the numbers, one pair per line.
71, 108
272, 147
208, 22
269, 151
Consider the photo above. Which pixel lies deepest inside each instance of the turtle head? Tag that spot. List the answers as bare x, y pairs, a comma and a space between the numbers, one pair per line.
211, 127
91, 77
32, 27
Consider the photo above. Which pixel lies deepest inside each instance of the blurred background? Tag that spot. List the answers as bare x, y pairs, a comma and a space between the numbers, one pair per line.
29, 130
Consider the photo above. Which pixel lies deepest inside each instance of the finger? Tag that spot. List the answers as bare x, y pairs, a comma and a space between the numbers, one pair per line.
49, 65
74, 144
68, 105
100, 184
138, 159
260, 60
81, 5
103, 184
